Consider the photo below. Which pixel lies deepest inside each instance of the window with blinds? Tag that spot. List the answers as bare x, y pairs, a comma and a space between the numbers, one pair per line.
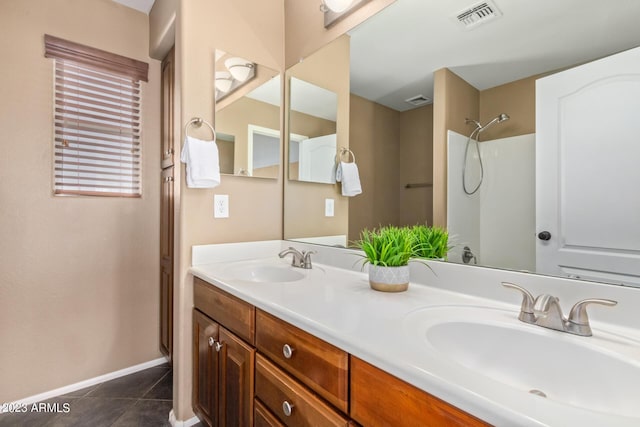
97, 110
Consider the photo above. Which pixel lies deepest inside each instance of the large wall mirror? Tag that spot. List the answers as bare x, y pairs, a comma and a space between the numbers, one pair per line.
393, 59
247, 117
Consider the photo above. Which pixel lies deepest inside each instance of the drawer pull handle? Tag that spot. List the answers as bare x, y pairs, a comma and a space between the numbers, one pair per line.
218, 346
287, 408
287, 351
211, 341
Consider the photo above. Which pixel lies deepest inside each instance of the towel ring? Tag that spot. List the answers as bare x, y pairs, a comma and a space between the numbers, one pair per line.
348, 152
197, 122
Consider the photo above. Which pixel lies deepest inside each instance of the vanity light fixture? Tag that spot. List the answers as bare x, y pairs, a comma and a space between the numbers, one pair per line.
223, 81
240, 68
335, 10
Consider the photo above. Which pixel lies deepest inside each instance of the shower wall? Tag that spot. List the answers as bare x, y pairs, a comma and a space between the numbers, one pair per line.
497, 222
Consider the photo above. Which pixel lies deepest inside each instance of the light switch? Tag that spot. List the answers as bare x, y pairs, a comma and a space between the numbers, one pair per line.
328, 207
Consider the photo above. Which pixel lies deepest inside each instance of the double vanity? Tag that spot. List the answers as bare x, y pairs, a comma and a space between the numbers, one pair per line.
276, 344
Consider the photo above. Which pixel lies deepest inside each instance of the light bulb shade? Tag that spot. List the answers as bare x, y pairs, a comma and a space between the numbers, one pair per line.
223, 81
338, 5
240, 68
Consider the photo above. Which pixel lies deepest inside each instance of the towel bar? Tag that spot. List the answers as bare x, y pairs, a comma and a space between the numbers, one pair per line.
344, 151
197, 122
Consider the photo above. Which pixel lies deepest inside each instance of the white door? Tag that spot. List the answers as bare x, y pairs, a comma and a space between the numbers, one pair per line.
317, 159
588, 171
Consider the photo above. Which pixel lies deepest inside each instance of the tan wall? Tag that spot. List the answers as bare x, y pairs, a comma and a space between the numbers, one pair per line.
304, 201
374, 139
416, 161
253, 30
305, 32
234, 120
79, 276
455, 100
518, 100
162, 27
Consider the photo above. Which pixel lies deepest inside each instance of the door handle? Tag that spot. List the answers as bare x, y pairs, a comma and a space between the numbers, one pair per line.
544, 235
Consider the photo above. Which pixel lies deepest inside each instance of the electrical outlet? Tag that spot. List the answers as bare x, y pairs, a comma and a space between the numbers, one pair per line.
221, 206
329, 207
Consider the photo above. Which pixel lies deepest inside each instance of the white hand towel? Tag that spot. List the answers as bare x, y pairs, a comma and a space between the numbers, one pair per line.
203, 165
347, 174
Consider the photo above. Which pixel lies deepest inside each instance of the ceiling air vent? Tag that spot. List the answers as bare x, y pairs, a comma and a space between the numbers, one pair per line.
477, 14
418, 100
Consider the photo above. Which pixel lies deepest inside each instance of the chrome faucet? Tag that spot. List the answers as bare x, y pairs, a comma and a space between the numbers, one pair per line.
299, 259
545, 311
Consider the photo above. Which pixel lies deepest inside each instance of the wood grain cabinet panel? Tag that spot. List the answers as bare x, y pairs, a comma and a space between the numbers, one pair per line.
263, 417
206, 368
275, 389
380, 399
318, 364
236, 381
233, 313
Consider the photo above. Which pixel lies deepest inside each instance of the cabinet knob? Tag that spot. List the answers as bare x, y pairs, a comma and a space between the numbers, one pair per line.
287, 408
218, 346
169, 152
211, 341
287, 351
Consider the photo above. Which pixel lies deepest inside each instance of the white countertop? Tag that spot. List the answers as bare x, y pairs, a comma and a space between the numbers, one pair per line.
338, 306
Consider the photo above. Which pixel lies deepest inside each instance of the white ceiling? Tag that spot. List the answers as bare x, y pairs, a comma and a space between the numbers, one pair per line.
143, 6
394, 53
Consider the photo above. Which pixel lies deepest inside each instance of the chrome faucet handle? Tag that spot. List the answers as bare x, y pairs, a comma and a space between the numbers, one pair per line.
526, 309
306, 259
579, 319
297, 257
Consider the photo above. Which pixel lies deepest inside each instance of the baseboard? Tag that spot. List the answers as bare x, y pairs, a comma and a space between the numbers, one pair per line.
188, 423
88, 383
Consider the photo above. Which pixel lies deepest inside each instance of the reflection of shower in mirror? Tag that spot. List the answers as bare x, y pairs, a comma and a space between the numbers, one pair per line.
477, 131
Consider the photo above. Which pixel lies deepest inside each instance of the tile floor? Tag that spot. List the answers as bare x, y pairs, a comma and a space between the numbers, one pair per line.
141, 399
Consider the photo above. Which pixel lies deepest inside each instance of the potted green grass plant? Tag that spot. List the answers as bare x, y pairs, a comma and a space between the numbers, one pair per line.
430, 242
388, 250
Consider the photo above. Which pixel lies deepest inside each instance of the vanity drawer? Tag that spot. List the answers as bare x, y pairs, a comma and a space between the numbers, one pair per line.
380, 399
318, 364
234, 314
275, 389
263, 417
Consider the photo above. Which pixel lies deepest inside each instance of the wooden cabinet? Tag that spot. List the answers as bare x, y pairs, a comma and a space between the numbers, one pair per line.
291, 402
206, 367
263, 417
167, 116
167, 206
380, 399
316, 363
223, 357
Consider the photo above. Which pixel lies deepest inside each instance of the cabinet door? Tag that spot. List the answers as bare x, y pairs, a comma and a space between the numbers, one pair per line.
206, 368
167, 99
236, 381
166, 263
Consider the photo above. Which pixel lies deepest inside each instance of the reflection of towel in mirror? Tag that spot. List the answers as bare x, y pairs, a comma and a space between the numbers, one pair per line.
203, 166
347, 174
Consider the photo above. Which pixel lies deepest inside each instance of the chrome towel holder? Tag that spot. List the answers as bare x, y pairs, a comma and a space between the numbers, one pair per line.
198, 122
346, 151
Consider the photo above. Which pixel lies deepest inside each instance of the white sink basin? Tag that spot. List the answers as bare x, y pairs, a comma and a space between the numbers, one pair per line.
267, 271
599, 373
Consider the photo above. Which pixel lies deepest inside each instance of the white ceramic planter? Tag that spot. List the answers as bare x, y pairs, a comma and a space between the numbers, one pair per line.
389, 279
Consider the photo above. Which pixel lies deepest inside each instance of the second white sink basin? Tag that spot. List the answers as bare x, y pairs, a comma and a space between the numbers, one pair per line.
599, 373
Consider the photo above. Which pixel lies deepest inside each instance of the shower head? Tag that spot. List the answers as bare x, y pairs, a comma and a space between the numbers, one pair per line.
499, 119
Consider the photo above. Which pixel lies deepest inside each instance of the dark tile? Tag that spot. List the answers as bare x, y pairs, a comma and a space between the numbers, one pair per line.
81, 393
163, 389
146, 413
92, 411
132, 386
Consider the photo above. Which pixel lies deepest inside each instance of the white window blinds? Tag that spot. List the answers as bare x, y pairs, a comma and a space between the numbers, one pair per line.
97, 144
